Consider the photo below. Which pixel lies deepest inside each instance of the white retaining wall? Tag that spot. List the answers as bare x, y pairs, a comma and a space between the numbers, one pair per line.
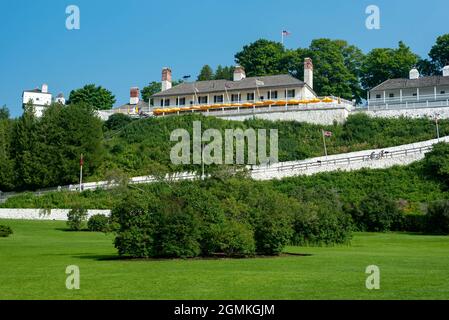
347, 162
443, 113
40, 214
321, 116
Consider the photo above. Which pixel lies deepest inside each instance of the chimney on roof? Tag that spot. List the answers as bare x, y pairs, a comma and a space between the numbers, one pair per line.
414, 74
446, 71
308, 72
239, 73
166, 79
134, 96
44, 88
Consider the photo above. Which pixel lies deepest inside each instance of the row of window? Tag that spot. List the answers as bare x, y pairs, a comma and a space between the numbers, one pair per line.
391, 95
234, 98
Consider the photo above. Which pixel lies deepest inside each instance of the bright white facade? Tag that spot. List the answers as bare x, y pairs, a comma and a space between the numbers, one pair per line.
40, 98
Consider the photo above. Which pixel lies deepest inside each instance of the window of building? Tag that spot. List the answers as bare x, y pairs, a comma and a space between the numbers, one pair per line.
167, 102
378, 96
202, 100
443, 92
218, 99
291, 93
415, 94
180, 101
235, 97
162, 102
391, 95
272, 95
250, 97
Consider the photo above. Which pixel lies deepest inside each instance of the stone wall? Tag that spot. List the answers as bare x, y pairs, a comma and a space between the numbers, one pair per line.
317, 116
40, 214
443, 113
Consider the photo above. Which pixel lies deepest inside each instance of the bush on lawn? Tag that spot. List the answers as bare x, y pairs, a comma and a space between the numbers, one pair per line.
5, 231
377, 213
437, 219
273, 221
98, 223
76, 219
320, 219
233, 239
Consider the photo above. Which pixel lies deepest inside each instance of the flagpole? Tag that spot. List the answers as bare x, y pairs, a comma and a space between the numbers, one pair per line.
282, 37
81, 173
324, 142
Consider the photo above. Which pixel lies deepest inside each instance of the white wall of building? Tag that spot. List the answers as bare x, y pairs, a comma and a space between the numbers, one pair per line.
38, 99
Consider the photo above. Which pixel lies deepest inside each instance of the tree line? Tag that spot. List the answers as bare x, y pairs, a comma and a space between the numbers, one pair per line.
45, 152
341, 69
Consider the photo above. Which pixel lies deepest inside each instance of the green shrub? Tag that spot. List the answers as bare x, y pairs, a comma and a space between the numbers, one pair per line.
233, 239
76, 219
117, 121
413, 223
5, 231
98, 223
315, 226
437, 219
436, 162
272, 220
377, 213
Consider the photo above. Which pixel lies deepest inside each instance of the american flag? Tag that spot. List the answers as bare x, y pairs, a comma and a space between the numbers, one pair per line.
285, 33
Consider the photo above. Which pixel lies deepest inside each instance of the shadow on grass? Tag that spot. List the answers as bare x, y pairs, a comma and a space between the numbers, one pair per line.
214, 258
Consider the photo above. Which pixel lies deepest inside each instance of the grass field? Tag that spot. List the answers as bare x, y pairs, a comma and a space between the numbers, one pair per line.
34, 259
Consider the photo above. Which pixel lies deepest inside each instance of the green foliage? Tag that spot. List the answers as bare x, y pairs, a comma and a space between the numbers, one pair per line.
224, 73
206, 73
45, 152
437, 219
437, 162
8, 178
377, 213
4, 113
76, 219
261, 58
440, 52
151, 89
232, 238
382, 64
96, 97
98, 223
320, 219
117, 121
5, 231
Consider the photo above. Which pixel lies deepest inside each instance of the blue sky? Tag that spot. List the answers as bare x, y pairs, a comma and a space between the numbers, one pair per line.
126, 43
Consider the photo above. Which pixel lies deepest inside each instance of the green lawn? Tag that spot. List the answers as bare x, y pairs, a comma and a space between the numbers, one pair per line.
34, 259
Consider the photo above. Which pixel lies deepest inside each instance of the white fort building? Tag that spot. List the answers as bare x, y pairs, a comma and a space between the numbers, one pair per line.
41, 99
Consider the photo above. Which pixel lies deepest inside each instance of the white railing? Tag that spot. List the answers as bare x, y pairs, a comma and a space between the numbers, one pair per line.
373, 156
421, 101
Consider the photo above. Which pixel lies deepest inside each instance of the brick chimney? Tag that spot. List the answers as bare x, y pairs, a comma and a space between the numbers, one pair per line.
308, 72
239, 73
166, 79
134, 96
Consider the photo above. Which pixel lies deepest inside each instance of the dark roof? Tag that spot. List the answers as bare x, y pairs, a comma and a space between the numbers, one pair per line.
125, 107
36, 91
284, 80
415, 83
